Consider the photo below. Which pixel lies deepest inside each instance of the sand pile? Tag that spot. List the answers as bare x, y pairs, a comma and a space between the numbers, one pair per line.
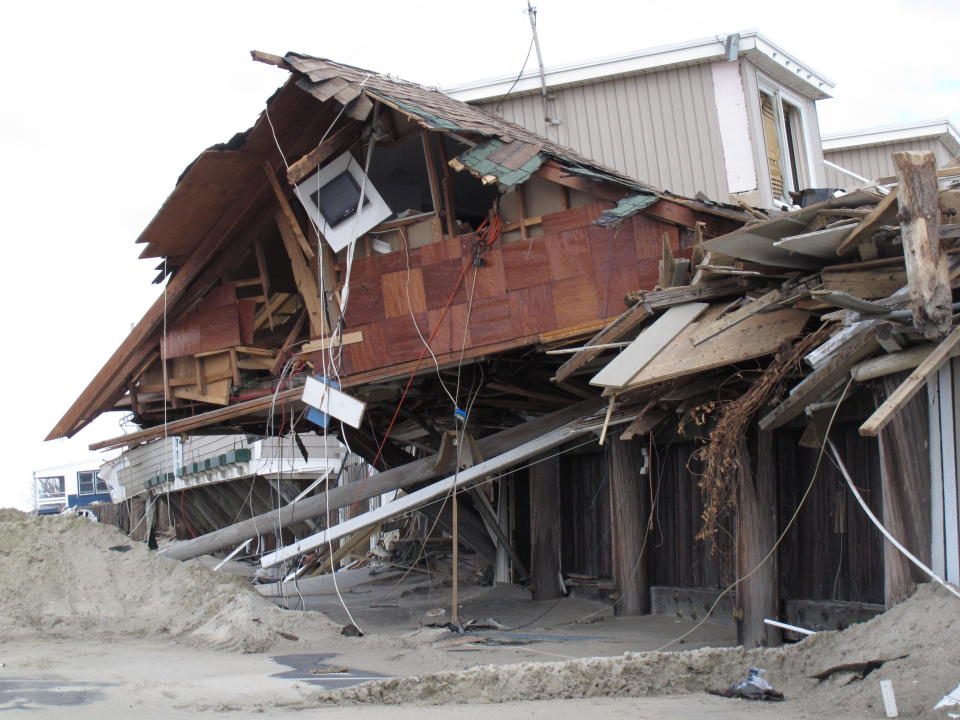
62, 579
926, 628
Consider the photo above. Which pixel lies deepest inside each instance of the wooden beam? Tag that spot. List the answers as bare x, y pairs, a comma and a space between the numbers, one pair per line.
883, 214
545, 528
757, 596
909, 387
891, 363
905, 484
305, 279
435, 197
288, 215
927, 273
264, 278
706, 290
177, 427
667, 264
551, 170
629, 515
325, 150
425, 495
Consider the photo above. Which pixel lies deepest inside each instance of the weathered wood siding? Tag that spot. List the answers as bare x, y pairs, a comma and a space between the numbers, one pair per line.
660, 127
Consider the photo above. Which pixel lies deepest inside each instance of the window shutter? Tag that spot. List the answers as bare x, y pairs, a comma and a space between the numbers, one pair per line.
771, 140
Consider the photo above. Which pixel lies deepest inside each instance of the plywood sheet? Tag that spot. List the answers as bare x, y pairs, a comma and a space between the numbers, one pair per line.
638, 354
574, 218
403, 293
762, 334
203, 330
491, 321
526, 264
532, 310
575, 301
569, 255
491, 278
440, 282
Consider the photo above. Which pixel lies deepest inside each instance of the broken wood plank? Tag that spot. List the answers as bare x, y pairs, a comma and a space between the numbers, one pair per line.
883, 214
667, 264
625, 366
703, 291
334, 341
893, 362
325, 150
726, 322
927, 273
629, 320
287, 212
304, 278
762, 334
643, 423
811, 389
841, 299
909, 387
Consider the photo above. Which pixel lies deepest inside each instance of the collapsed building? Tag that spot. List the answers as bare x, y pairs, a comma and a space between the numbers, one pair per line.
381, 303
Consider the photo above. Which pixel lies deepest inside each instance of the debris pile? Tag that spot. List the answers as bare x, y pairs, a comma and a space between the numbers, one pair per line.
67, 577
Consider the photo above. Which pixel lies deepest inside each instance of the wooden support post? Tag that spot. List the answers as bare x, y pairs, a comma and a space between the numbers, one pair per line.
287, 211
757, 595
264, 278
448, 211
306, 281
905, 482
629, 515
435, 198
927, 273
545, 528
667, 264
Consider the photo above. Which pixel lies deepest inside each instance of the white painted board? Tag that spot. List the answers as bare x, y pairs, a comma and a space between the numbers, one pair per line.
333, 402
821, 244
625, 366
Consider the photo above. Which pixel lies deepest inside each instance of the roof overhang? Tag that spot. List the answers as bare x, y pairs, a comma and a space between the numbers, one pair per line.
769, 57
940, 128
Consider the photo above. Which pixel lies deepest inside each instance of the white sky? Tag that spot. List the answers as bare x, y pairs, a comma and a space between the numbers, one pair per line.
104, 104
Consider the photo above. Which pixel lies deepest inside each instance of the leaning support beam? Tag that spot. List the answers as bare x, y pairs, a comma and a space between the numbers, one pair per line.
909, 387
423, 496
400, 477
927, 273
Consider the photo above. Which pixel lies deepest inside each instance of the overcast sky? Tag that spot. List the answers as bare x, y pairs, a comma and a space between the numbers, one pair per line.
104, 104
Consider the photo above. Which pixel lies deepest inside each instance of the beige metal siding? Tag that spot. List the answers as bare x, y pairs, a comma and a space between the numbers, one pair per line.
874, 161
659, 127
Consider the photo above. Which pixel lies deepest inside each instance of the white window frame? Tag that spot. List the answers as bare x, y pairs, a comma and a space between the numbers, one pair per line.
780, 94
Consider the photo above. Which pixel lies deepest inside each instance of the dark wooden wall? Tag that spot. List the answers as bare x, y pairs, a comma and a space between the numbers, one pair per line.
833, 552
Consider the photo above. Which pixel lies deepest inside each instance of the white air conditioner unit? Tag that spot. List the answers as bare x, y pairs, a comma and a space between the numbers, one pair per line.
331, 197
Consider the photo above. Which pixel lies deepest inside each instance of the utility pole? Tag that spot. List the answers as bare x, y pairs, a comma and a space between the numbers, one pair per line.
532, 12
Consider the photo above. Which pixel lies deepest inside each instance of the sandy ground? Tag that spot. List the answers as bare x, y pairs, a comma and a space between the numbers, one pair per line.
94, 626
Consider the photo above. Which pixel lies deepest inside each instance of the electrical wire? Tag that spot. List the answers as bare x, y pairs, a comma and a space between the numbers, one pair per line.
886, 533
